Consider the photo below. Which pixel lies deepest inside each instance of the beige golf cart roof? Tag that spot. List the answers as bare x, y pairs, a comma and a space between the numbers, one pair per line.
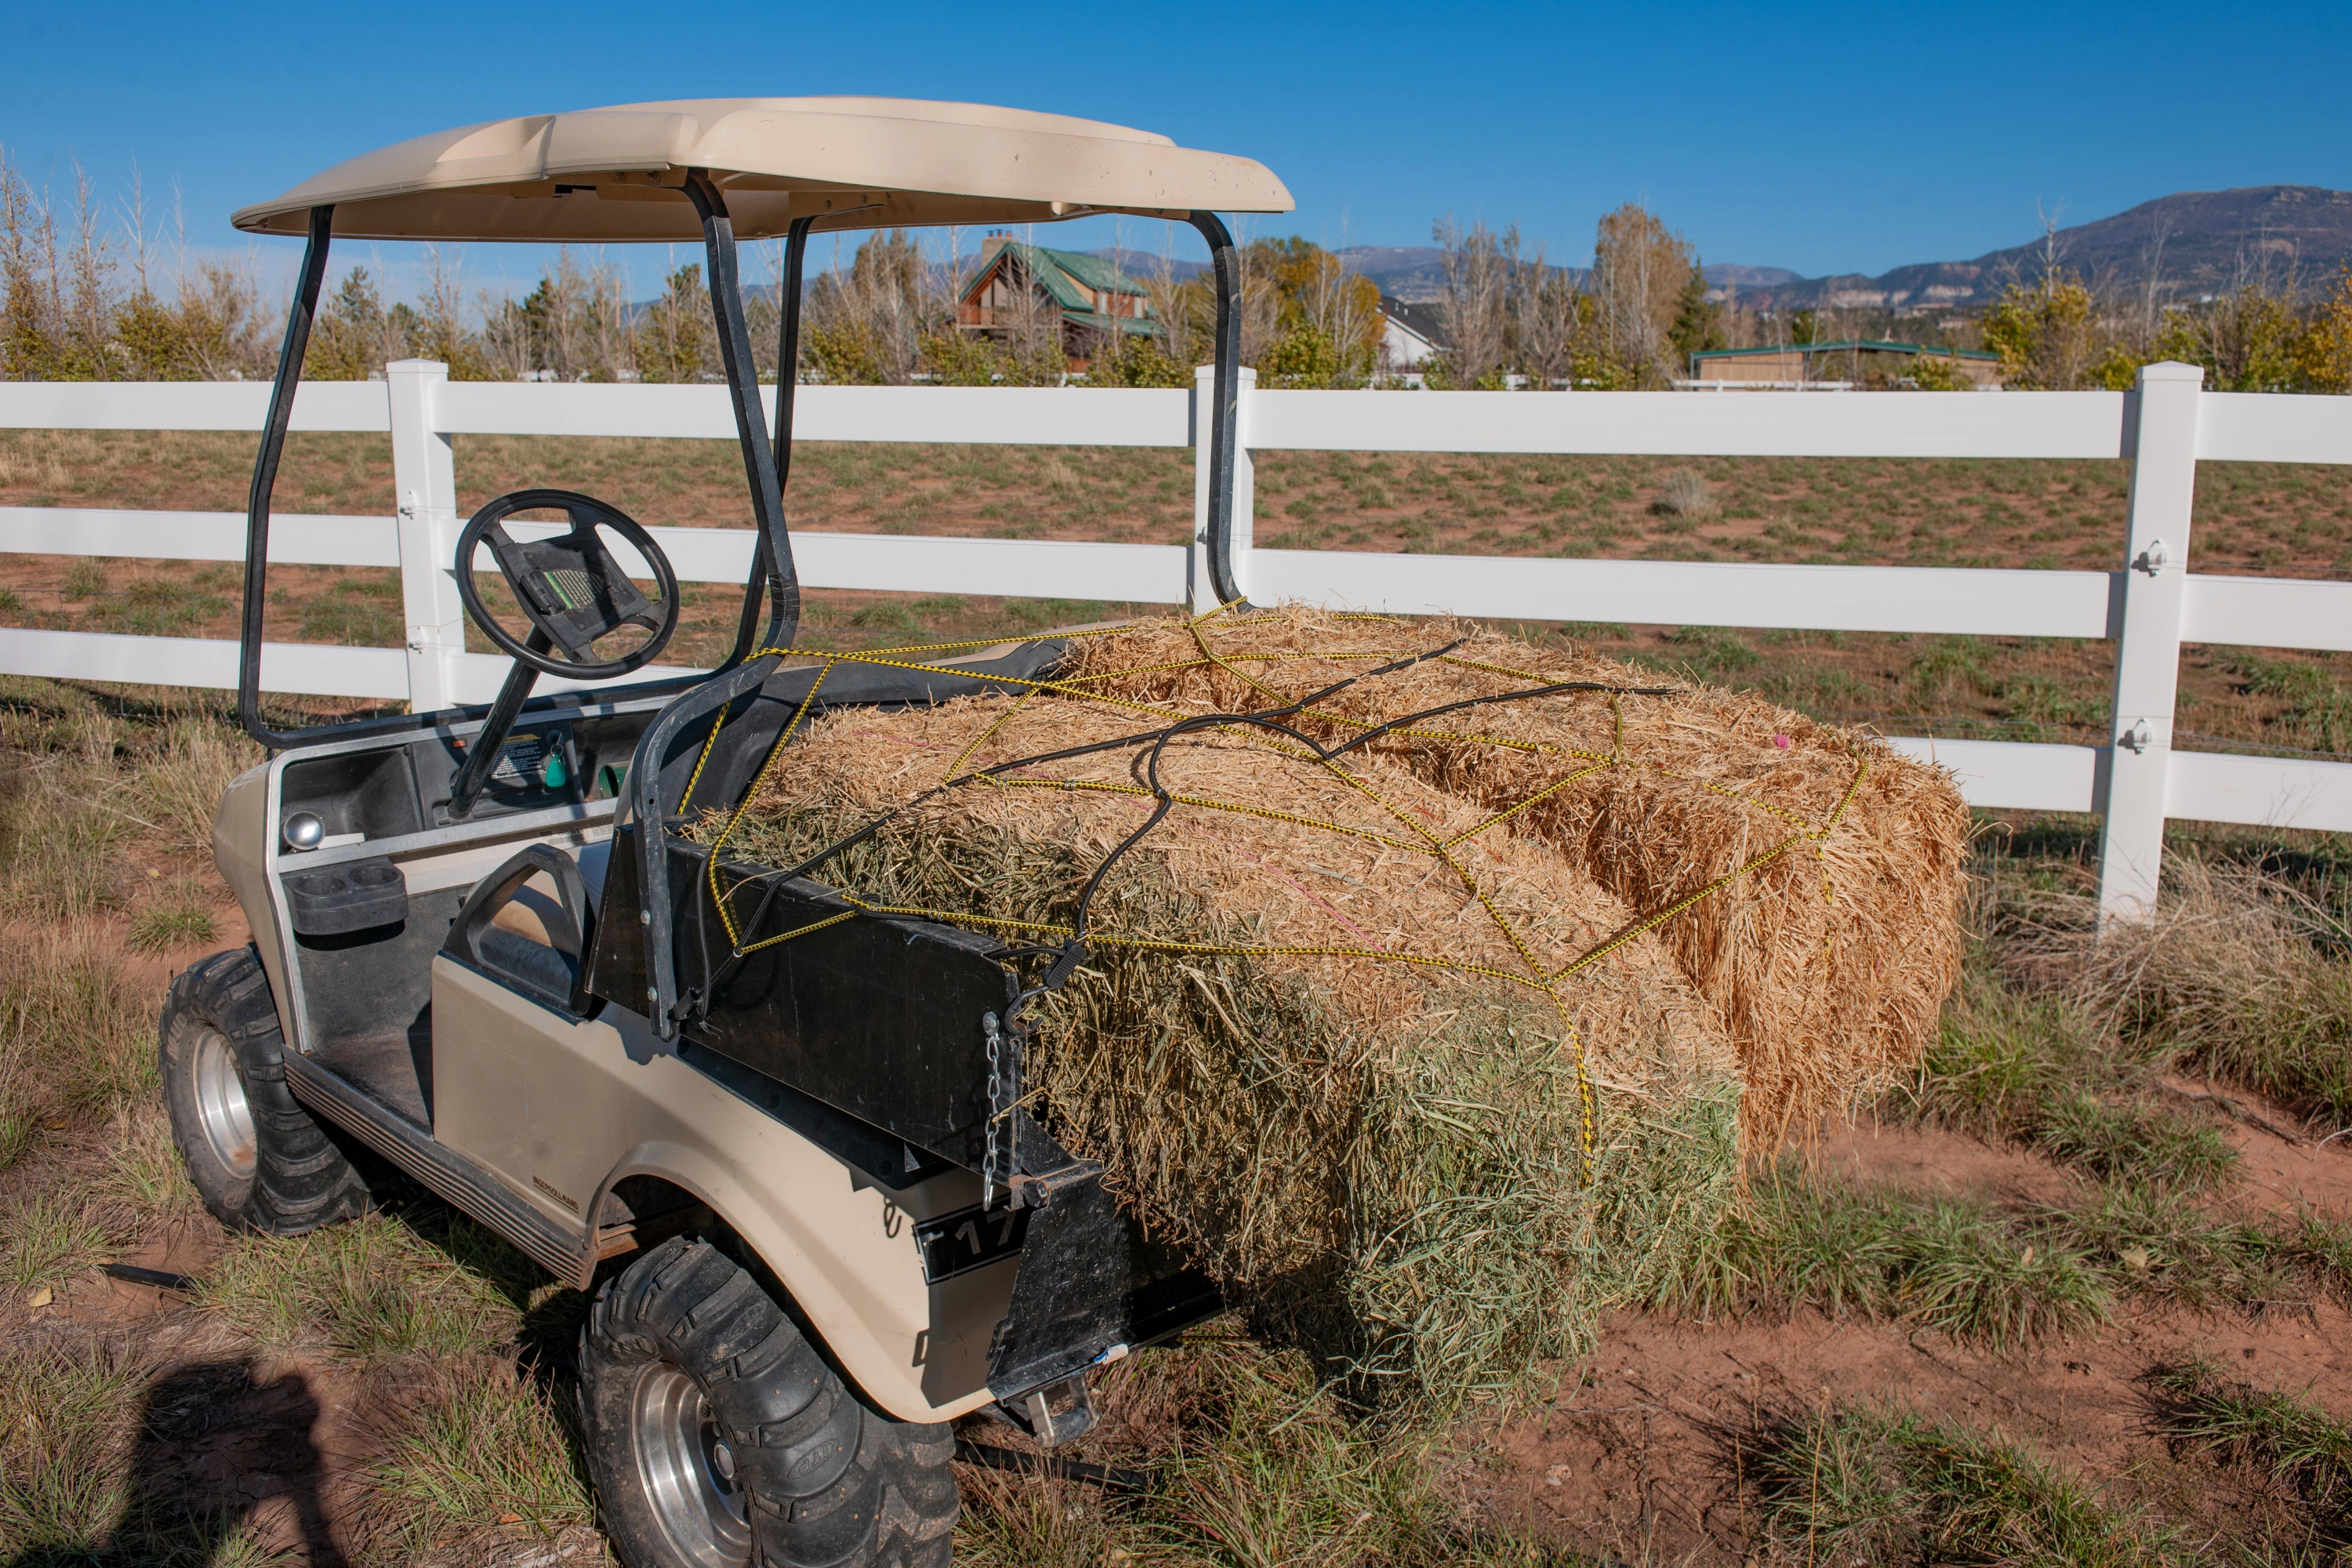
615, 174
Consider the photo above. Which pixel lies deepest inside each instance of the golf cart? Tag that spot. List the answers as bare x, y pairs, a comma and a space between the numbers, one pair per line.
819, 1217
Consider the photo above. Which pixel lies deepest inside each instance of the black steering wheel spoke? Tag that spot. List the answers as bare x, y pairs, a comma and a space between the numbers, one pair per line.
574, 593
572, 588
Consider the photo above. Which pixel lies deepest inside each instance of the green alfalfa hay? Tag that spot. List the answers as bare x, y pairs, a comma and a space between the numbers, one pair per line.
1410, 1210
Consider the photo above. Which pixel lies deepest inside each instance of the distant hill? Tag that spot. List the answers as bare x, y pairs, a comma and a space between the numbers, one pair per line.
1733, 273
2193, 243
1415, 274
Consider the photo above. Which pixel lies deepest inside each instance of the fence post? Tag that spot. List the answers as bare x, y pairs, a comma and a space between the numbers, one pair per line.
425, 491
1204, 592
2148, 651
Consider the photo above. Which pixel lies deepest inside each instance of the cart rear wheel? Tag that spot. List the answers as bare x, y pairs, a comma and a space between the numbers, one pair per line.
259, 1159
719, 1436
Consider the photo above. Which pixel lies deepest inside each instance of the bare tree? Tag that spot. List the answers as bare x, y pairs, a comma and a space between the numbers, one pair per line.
867, 323
1545, 321
1479, 267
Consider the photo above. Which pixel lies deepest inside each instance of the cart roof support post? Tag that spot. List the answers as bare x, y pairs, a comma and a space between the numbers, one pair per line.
1224, 407
763, 463
298, 318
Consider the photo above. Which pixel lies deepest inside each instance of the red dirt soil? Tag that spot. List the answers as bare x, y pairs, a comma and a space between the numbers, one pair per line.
1640, 1455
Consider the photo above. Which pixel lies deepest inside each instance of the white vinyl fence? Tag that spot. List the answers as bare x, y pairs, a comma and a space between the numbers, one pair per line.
2150, 605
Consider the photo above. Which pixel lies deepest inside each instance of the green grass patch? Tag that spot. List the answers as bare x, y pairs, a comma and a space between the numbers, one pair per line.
48, 1238
374, 1287
1950, 1264
1844, 1484
2281, 1441
172, 922
2035, 1071
2135, 1143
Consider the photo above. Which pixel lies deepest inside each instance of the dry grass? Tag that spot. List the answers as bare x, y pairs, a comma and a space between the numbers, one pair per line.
1683, 493
65, 1426
89, 786
478, 1459
377, 1287
74, 1035
2239, 972
1252, 1466
1817, 874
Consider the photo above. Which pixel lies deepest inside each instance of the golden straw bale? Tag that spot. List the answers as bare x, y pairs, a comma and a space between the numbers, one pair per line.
1816, 874
1332, 1060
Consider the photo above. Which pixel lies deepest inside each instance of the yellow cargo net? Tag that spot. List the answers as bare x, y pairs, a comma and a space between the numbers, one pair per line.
1415, 837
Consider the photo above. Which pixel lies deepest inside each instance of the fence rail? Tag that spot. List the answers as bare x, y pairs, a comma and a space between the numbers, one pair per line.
2148, 606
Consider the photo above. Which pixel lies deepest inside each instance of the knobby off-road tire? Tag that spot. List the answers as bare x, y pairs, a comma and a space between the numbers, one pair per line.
259, 1159
719, 1434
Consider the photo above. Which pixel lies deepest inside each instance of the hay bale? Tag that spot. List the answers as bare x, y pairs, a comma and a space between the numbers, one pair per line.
1321, 1054
1822, 871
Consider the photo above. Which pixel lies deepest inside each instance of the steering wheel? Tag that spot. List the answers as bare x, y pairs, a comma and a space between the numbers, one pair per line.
572, 588
574, 593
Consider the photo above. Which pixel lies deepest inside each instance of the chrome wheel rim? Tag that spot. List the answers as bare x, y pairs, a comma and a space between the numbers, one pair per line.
688, 1470
221, 1107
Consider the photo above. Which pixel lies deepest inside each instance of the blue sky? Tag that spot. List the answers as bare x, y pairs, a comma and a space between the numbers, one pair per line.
1818, 137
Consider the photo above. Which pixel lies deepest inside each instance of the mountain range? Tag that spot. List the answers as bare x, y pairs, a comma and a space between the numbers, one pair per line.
2194, 243
2291, 238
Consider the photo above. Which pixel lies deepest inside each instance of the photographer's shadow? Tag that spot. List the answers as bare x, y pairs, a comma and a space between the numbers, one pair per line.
213, 1449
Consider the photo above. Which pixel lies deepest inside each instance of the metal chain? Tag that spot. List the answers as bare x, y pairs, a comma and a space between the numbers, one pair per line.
994, 1034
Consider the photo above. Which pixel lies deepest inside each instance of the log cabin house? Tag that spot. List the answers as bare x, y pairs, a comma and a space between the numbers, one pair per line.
1091, 294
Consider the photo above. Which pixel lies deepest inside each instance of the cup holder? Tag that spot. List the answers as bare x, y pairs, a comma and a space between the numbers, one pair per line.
358, 896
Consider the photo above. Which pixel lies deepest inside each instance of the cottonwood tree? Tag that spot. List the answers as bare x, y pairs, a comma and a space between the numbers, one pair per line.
1641, 271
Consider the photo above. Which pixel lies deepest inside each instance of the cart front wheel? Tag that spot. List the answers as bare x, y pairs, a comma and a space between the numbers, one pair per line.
719, 1434
259, 1159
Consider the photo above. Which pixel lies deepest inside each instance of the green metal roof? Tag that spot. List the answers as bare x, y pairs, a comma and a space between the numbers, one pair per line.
1068, 276
1866, 345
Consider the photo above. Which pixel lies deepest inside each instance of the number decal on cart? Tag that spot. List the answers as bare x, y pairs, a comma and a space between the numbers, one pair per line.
967, 1239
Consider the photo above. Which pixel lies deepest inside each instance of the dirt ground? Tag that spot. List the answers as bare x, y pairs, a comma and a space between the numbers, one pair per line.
1636, 1457
1639, 1453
